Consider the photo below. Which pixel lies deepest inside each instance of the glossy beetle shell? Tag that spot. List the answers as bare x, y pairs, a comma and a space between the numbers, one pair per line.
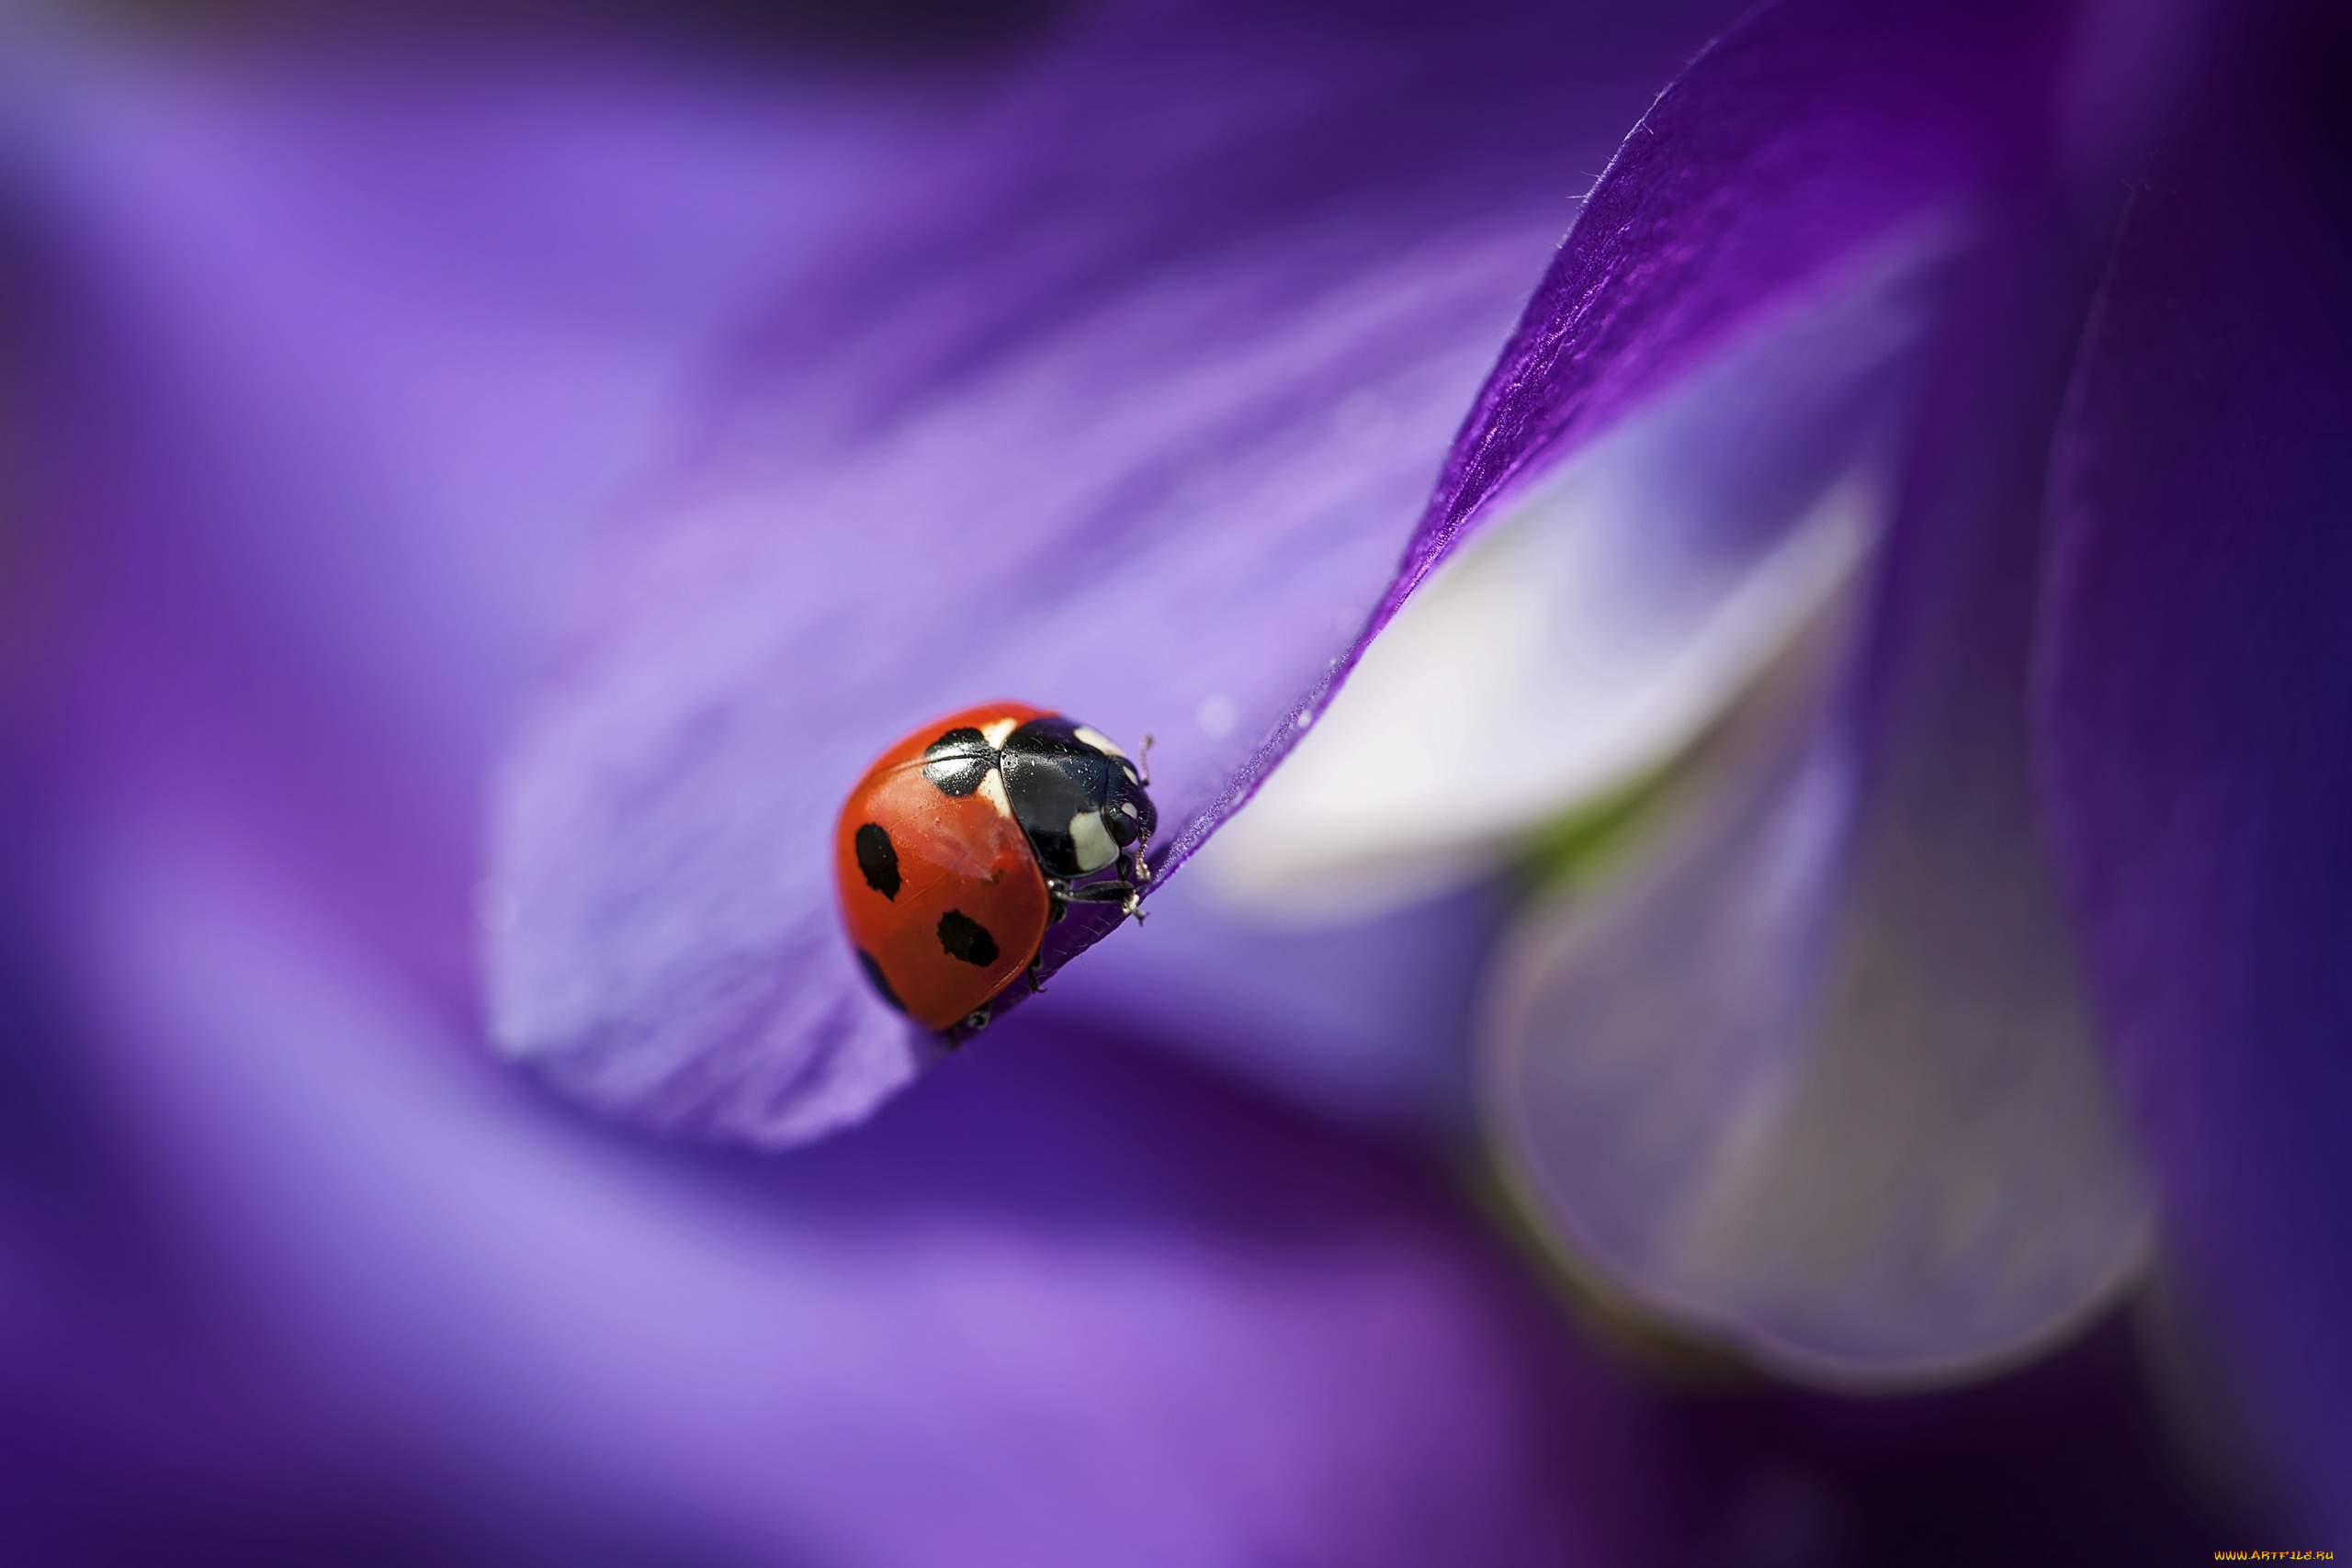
953, 910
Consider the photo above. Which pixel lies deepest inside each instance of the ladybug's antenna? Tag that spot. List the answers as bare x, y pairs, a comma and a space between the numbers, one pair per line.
1143, 759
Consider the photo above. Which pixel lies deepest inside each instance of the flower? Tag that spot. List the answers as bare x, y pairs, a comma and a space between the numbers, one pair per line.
1115, 367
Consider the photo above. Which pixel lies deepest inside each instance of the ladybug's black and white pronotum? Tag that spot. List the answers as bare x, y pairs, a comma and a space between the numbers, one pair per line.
968, 839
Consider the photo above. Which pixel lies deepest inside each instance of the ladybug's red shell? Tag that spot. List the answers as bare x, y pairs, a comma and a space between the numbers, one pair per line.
942, 892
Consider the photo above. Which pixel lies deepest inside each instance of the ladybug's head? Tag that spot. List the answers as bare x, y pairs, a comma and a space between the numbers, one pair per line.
1128, 808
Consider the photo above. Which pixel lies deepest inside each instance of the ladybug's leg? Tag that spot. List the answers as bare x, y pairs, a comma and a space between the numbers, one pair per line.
1036, 967
1120, 893
1143, 760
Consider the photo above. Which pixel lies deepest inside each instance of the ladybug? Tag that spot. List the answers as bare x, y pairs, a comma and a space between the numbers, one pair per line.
964, 841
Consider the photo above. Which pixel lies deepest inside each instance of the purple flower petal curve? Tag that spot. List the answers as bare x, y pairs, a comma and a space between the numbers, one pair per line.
1824, 211
1805, 139
1801, 138
1078, 421
2199, 625
1638, 585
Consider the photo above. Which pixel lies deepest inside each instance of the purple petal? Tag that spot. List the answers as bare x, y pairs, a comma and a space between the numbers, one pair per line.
1802, 137
1819, 1080
2199, 669
1805, 140
1640, 578
1124, 403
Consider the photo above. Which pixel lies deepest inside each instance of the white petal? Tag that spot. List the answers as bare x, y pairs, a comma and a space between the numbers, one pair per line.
1826, 1092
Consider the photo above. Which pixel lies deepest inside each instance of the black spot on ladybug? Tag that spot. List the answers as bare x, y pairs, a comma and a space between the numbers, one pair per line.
967, 939
877, 857
874, 973
959, 761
